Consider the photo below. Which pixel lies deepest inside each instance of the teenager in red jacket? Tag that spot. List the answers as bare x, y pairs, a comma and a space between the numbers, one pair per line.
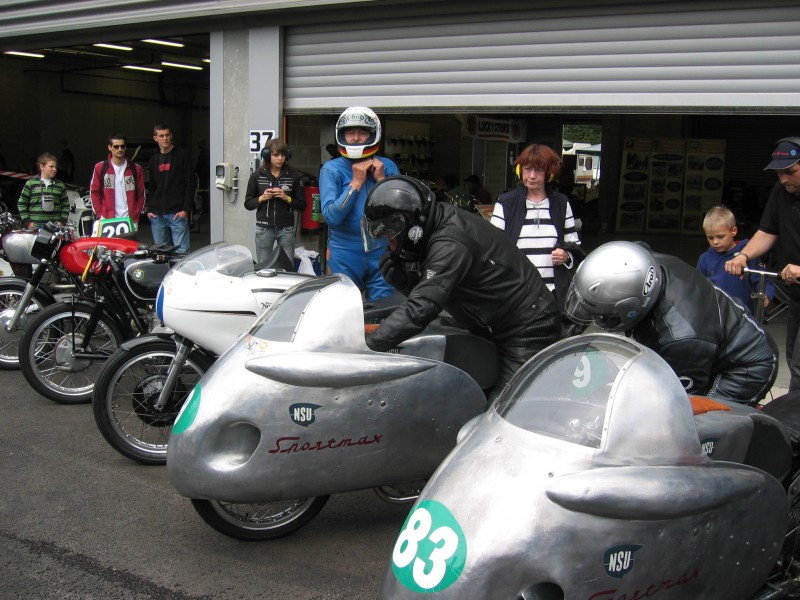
117, 187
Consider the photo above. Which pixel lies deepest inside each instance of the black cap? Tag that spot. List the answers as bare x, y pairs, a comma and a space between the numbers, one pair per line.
786, 154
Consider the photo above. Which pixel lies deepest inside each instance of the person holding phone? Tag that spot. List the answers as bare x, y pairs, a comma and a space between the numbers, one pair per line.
275, 191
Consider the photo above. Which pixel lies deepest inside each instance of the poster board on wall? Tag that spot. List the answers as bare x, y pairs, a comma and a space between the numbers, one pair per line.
668, 184
705, 169
634, 184
665, 193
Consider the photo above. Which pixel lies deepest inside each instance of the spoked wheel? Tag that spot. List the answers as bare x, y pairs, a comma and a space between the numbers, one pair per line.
10, 295
127, 391
259, 522
47, 351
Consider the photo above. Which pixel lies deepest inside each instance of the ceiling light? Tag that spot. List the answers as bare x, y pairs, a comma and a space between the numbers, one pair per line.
28, 54
113, 47
207, 60
181, 65
163, 43
138, 68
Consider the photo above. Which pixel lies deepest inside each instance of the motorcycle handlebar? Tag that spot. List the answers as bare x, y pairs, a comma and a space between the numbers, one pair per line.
770, 274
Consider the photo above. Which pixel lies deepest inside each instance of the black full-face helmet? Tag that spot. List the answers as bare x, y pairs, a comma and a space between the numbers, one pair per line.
398, 210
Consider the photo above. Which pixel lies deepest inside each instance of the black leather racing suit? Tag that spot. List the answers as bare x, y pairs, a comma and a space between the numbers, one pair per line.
485, 282
713, 345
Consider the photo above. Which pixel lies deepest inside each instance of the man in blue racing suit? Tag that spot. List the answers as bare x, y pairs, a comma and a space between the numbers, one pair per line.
344, 184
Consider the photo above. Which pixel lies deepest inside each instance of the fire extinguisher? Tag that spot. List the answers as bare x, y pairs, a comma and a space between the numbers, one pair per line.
311, 214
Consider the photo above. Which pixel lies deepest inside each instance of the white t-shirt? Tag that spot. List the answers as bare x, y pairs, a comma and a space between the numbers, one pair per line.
120, 194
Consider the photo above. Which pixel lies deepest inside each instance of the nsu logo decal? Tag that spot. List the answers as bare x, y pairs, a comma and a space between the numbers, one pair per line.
708, 445
303, 413
618, 560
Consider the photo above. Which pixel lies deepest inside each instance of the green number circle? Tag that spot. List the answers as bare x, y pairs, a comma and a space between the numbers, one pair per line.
431, 550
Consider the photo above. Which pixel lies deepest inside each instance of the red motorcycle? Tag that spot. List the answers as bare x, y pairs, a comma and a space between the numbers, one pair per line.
28, 292
65, 344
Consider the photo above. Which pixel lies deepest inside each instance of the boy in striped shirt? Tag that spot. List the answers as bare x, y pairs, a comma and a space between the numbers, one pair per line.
44, 198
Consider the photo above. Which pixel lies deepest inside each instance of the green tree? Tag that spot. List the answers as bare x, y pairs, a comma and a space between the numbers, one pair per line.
589, 134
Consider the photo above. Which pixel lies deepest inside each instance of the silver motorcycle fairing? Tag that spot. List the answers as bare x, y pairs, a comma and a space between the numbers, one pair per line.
600, 492
17, 246
301, 407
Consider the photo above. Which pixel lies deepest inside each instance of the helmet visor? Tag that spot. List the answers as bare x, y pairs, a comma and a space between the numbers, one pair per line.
581, 311
376, 232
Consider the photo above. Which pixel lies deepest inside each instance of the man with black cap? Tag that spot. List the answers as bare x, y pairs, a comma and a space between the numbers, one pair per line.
781, 223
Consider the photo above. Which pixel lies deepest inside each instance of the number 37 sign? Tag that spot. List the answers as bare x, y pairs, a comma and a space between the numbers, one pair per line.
259, 138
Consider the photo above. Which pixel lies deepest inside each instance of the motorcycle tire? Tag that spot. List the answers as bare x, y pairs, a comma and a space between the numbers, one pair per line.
259, 521
127, 389
10, 295
46, 351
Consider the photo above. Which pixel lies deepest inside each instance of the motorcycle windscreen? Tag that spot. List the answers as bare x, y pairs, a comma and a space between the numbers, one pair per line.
589, 390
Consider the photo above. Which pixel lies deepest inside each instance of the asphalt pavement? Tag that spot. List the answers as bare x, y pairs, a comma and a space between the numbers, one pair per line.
79, 521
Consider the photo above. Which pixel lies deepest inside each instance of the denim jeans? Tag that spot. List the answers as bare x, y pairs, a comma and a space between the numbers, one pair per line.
168, 230
266, 251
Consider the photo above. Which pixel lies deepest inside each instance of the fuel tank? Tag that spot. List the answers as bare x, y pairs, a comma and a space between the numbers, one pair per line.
75, 256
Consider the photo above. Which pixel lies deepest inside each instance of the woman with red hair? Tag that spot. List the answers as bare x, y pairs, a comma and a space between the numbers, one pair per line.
539, 219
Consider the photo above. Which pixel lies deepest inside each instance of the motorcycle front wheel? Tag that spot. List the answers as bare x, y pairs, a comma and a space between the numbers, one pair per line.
10, 295
127, 390
259, 522
47, 351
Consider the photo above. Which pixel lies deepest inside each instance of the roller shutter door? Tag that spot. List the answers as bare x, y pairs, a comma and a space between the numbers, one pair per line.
654, 57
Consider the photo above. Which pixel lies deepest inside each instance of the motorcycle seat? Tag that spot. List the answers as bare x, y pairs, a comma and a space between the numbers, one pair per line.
474, 355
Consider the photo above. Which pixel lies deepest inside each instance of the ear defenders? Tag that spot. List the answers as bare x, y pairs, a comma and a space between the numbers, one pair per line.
518, 173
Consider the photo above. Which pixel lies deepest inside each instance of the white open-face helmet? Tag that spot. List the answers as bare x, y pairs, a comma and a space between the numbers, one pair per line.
365, 118
615, 287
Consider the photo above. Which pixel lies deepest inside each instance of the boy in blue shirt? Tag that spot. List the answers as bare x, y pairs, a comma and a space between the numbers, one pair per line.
719, 225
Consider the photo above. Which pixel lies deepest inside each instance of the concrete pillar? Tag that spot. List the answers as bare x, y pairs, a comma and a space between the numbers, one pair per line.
246, 95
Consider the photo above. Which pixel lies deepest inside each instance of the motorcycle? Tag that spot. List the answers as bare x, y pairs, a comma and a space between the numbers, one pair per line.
207, 300
594, 476
64, 345
29, 293
299, 408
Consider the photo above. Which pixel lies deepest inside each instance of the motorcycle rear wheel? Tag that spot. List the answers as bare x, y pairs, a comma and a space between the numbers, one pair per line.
10, 295
259, 521
46, 351
127, 389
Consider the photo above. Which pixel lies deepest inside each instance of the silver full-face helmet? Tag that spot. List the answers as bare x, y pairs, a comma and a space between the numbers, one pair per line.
615, 287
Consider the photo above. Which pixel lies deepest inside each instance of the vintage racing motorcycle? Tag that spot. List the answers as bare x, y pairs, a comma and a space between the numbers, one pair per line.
299, 408
207, 300
52, 249
594, 477
65, 344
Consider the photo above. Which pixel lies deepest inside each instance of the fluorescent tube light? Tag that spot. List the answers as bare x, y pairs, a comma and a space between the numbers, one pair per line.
163, 42
138, 68
180, 65
113, 47
27, 54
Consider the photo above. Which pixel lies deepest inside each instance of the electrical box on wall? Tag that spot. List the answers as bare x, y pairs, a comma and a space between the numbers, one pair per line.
224, 177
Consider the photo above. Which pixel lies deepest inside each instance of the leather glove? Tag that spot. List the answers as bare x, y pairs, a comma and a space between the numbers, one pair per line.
393, 271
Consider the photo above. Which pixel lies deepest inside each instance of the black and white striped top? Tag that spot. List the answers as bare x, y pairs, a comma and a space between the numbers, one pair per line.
539, 235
